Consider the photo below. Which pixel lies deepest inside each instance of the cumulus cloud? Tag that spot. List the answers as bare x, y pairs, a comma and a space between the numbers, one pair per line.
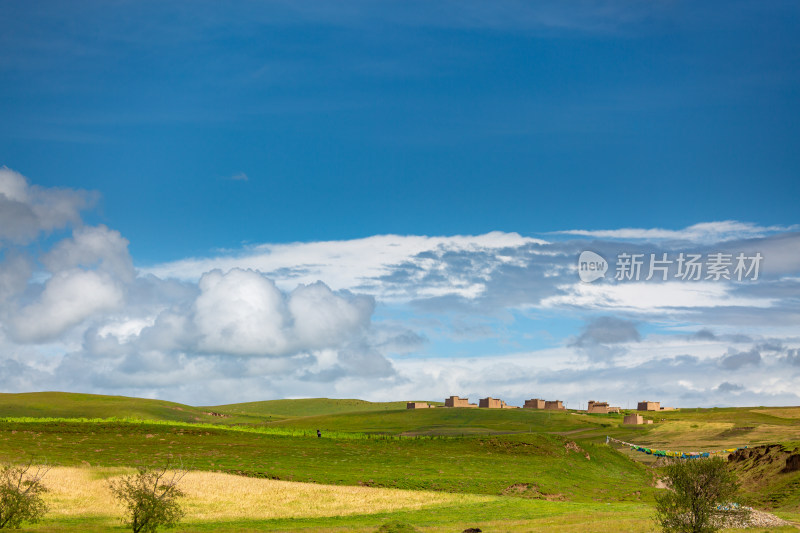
608, 330
89, 275
68, 298
704, 334
26, 211
92, 247
242, 312
734, 360
729, 387
322, 318
15, 270
792, 357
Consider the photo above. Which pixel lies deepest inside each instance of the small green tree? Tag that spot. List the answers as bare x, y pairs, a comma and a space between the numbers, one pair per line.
150, 497
21, 492
701, 497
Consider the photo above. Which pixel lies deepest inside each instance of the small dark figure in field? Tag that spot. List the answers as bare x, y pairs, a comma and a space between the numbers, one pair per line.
319, 433
21, 492
150, 497
701, 497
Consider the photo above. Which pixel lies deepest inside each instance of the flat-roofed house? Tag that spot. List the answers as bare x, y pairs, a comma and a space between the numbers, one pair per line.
633, 419
649, 406
455, 401
535, 403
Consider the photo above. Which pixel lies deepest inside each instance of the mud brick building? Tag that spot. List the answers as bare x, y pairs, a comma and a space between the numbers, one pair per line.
535, 403
455, 401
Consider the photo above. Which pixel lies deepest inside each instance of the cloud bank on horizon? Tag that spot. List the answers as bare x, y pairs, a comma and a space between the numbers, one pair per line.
396, 317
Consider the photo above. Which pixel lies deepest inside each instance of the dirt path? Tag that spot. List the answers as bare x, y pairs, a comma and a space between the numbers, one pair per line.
572, 432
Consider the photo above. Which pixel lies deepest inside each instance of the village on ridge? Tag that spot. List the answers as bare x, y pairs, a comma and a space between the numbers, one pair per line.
593, 407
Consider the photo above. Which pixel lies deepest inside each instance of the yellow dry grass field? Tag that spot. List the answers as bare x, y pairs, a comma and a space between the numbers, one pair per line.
688, 433
780, 412
214, 496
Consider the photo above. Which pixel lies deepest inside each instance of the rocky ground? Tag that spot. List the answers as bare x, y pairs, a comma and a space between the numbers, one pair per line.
756, 519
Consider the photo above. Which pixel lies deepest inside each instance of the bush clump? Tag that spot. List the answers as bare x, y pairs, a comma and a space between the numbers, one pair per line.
21, 492
151, 498
701, 497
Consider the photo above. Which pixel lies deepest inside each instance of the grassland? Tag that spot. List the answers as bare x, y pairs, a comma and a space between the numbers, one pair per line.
73, 405
305, 407
77, 491
476, 465
79, 501
504, 470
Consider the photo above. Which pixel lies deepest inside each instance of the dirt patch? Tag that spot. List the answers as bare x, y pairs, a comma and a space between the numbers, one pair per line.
531, 491
792, 464
523, 490
573, 447
769, 454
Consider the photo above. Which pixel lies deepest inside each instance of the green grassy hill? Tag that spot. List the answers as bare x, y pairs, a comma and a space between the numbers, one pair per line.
449, 422
72, 405
305, 407
531, 465
692, 428
518, 454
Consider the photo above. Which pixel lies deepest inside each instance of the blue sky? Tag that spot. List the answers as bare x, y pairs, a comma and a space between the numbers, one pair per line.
437, 167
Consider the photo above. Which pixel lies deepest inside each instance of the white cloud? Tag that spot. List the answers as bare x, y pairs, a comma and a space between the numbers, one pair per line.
93, 247
341, 264
242, 313
322, 318
26, 211
124, 330
704, 232
68, 298
15, 270
670, 297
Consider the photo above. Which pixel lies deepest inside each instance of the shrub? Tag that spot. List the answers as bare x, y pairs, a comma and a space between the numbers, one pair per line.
21, 495
701, 496
150, 497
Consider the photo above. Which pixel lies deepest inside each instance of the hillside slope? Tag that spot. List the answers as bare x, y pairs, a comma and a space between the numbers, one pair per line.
305, 407
448, 422
535, 466
73, 405
770, 474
